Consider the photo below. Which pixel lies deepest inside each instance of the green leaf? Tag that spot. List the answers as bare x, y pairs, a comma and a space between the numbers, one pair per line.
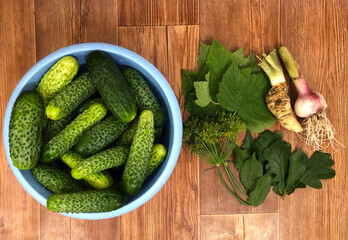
297, 167
241, 156
247, 96
203, 54
202, 93
248, 142
250, 172
188, 78
265, 139
318, 167
218, 60
261, 190
277, 155
249, 65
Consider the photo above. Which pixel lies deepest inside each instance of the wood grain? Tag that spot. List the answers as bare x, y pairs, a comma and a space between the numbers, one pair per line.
221, 227
19, 212
155, 13
193, 204
261, 226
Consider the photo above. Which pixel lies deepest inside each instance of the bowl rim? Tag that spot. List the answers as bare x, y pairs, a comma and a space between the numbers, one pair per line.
174, 111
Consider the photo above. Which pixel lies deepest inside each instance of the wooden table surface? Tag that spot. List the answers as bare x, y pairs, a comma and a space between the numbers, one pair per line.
193, 204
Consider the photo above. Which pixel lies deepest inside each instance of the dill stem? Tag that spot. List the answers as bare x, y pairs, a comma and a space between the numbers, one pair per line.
241, 201
233, 179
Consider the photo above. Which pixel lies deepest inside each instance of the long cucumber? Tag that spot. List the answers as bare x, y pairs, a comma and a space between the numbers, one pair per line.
144, 96
25, 130
102, 200
112, 86
55, 179
109, 158
57, 77
70, 97
137, 165
65, 139
100, 136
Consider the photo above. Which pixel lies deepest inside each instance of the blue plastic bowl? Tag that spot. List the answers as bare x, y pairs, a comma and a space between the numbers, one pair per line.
172, 133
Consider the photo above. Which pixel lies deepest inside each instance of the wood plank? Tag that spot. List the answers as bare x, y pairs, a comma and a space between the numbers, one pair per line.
336, 93
182, 54
151, 43
57, 26
250, 21
261, 226
318, 43
156, 13
99, 22
19, 212
221, 227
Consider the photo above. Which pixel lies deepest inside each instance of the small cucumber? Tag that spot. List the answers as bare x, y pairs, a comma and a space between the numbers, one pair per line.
137, 165
86, 104
70, 97
112, 86
100, 136
57, 77
55, 179
98, 180
54, 127
144, 96
106, 159
25, 130
65, 139
158, 154
102, 200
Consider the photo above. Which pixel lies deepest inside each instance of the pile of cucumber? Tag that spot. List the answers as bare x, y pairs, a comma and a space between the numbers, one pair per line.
78, 129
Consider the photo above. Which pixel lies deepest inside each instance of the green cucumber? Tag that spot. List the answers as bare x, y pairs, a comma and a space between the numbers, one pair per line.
144, 96
102, 200
127, 137
137, 165
55, 179
57, 77
70, 97
25, 130
65, 139
86, 104
54, 127
112, 86
158, 154
98, 180
100, 136
106, 159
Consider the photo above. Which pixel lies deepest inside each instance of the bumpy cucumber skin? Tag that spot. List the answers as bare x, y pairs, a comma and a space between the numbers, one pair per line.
106, 159
55, 179
158, 154
65, 139
137, 165
100, 136
103, 200
54, 127
25, 130
86, 104
70, 97
57, 77
127, 137
112, 86
97, 180
144, 95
